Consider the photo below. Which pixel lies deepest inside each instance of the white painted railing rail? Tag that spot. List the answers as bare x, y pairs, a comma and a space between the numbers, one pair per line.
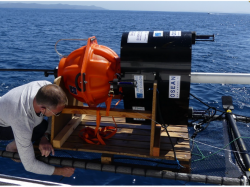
220, 78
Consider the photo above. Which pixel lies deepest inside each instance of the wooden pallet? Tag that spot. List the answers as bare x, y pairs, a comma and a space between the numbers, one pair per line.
139, 140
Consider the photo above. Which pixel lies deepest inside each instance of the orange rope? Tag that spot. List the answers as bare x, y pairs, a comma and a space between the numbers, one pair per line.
96, 136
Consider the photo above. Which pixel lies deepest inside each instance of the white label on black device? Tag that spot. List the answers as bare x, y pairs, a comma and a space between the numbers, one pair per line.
139, 108
174, 86
175, 33
139, 89
138, 37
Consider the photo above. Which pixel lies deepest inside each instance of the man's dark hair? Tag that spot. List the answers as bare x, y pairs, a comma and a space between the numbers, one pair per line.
51, 95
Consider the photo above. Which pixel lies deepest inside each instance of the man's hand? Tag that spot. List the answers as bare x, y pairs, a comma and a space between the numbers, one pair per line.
45, 147
64, 171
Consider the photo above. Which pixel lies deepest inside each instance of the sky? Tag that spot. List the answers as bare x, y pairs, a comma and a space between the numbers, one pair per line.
181, 6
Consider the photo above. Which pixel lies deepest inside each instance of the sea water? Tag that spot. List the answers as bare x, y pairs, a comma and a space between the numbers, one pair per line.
28, 36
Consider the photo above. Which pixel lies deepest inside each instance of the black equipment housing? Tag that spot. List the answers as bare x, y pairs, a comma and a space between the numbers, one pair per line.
158, 59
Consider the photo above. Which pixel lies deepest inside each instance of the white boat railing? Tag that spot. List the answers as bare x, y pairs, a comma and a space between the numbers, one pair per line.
220, 78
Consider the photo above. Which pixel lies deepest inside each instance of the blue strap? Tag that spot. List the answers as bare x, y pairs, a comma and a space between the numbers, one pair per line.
179, 164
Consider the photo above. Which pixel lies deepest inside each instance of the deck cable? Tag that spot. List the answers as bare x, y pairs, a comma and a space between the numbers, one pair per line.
242, 120
165, 127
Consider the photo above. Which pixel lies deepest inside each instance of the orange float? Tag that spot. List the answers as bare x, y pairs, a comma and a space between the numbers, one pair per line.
88, 70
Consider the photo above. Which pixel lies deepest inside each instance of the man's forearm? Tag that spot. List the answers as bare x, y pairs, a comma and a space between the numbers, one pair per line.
64, 171
58, 171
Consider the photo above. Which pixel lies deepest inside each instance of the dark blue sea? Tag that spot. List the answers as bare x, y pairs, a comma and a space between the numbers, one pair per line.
28, 36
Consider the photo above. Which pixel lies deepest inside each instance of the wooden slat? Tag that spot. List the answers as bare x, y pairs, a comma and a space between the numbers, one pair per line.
107, 121
182, 156
143, 132
152, 137
90, 120
66, 131
177, 128
112, 112
106, 159
120, 125
57, 124
133, 144
157, 140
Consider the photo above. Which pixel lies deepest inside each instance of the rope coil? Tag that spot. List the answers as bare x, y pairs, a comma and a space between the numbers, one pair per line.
98, 135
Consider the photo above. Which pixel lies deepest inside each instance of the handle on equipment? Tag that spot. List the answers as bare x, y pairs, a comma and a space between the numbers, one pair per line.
83, 79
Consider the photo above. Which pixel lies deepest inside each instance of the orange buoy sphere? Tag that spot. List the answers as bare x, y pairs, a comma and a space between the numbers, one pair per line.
88, 70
